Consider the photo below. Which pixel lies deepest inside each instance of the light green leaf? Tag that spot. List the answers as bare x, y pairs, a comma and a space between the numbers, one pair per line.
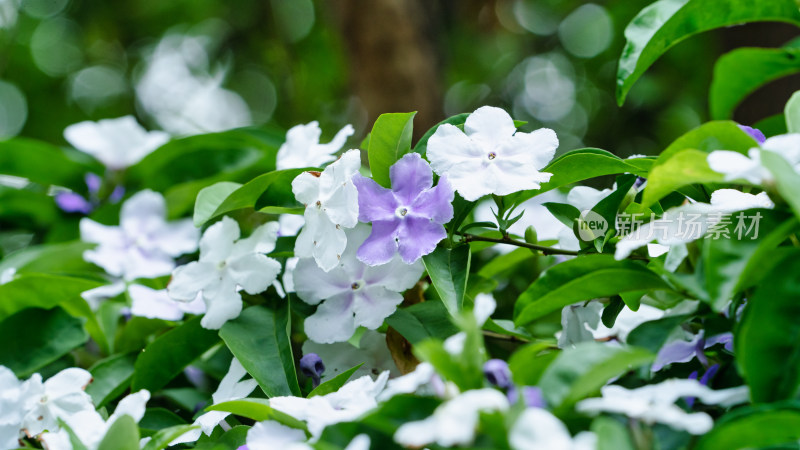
62, 258
122, 435
767, 350
209, 199
162, 438
787, 180
582, 370
611, 434
264, 332
449, 272
334, 383
759, 427
682, 169
792, 109
257, 409
389, 141
167, 356
44, 163
33, 338
665, 23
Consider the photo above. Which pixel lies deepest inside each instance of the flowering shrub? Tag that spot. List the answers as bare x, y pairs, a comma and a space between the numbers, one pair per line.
461, 290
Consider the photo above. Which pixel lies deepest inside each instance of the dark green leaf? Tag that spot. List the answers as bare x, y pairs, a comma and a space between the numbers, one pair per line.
389, 141
110, 378
653, 335
760, 428
334, 383
665, 23
167, 356
422, 321
162, 439
449, 272
43, 163
265, 333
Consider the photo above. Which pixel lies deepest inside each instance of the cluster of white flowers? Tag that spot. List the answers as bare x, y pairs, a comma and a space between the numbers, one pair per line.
33, 408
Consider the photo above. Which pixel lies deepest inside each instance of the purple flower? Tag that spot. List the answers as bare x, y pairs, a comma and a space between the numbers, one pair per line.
93, 182
754, 133
680, 351
409, 218
311, 366
497, 373
73, 203
704, 380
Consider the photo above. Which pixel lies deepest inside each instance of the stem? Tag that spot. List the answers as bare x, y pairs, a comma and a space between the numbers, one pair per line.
507, 337
507, 240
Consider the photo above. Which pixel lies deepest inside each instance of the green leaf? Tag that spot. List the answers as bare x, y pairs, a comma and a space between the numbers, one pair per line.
582, 370
167, 356
110, 378
257, 409
767, 347
33, 338
422, 144
685, 167
529, 362
787, 180
162, 439
611, 434
583, 278
710, 136
389, 141
760, 428
209, 199
792, 111
665, 23
43, 163
741, 72
652, 335
46, 291
449, 271
232, 439
65, 258
122, 435
582, 164
422, 321
264, 332
334, 383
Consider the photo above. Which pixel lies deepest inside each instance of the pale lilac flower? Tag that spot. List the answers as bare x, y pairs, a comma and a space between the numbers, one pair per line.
656, 403
157, 304
144, 244
538, 429
117, 143
454, 421
754, 133
70, 202
497, 373
489, 156
302, 147
354, 293
331, 202
409, 218
681, 351
227, 263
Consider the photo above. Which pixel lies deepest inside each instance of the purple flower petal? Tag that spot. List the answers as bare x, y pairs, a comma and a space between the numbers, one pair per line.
533, 398
675, 352
93, 182
418, 237
436, 203
497, 373
410, 176
117, 194
725, 338
380, 246
754, 133
73, 203
374, 202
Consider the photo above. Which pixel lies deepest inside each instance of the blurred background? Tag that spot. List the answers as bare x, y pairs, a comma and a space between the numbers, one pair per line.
194, 66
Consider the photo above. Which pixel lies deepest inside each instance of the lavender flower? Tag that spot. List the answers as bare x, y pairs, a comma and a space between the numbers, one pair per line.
497, 373
409, 218
311, 365
754, 133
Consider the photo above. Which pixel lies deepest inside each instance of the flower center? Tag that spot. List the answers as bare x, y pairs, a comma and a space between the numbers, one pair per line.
319, 204
491, 155
401, 211
356, 286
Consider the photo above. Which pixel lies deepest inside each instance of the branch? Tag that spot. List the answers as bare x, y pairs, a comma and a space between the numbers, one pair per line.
545, 250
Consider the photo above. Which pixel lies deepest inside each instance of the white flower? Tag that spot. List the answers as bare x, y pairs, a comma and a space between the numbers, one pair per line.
354, 293
117, 143
331, 201
581, 322
421, 380
537, 429
484, 307
453, 422
656, 403
350, 402
60, 397
157, 304
94, 297
271, 435
338, 357
89, 426
144, 244
232, 387
226, 264
302, 147
687, 223
738, 167
13, 396
488, 157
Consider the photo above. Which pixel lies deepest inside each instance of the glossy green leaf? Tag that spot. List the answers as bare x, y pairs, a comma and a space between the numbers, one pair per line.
685, 167
757, 428
43, 163
389, 141
611, 434
579, 279
209, 199
334, 383
792, 111
33, 338
232, 439
122, 435
742, 71
529, 362
64, 258
582, 370
423, 320
162, 438
110, 378
257, 409
167, 356
787, 180
652, 335
449, 272
767, 350
665, 23
264, 332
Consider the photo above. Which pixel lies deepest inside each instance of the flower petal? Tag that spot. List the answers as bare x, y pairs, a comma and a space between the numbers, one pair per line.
534, 149
489, 125
153, 304
449, 147
333, 321
254, 272
189, 279
410, 176
435, 203
261, 240
306, 188
217, 241
373, 304
314, 284
418, 237
381, 245
223, 303
374, 201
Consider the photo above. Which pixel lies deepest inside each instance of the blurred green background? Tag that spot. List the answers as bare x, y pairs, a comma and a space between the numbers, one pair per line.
193, 66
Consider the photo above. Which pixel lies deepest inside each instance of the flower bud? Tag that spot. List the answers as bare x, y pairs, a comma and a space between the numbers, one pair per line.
497, 373
311, 366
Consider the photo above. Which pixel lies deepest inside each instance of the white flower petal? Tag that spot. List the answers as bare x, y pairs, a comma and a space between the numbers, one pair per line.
373, 304
254, 272
730, 200
117, 143
333, 321
189, 279
217, 241
271, 435
222, 304
489, 125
